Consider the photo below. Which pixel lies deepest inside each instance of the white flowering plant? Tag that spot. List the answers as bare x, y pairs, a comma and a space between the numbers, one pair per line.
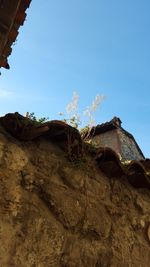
74, 118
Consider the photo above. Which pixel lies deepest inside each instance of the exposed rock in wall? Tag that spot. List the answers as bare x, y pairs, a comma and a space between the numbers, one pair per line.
59, 213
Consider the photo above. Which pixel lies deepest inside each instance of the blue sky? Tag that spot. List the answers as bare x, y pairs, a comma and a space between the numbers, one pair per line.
91, 47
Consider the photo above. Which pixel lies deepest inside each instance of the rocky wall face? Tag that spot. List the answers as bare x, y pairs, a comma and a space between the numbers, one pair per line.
129, 150
58, 214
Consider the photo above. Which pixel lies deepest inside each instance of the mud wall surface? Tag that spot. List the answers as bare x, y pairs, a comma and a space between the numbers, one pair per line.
61, 214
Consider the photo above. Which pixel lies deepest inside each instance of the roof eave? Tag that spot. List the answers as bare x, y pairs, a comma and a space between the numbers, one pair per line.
10, 32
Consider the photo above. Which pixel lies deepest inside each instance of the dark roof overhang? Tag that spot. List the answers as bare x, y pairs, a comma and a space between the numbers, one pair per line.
12, 16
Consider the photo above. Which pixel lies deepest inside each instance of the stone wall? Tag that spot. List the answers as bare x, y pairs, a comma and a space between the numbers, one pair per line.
117, 140
129, 150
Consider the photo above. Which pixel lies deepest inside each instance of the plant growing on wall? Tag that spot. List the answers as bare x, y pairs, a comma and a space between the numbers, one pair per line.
32, 117
74, 118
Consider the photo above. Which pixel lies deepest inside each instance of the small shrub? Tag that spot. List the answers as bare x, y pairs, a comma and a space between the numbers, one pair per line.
32, 117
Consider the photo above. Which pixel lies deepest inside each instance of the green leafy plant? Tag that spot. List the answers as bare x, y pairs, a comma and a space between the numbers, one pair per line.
32, 117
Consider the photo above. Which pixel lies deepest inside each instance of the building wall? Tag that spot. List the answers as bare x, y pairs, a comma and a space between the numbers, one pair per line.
107, 139
129, 150
117, 140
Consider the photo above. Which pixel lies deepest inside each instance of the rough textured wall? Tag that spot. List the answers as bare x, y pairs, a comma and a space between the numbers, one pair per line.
129, 150
58, 214
119, 142
107, 139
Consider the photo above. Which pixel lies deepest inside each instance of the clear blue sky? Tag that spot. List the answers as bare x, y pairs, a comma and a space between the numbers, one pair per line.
93, 47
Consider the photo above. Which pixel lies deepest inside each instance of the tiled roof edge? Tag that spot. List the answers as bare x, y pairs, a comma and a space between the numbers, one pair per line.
12, 32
